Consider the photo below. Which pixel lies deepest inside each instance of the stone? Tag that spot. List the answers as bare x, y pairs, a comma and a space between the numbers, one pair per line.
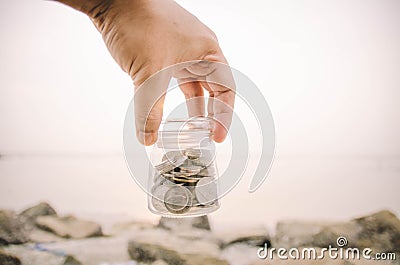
69, 226
151, 253
257, 236
297, 233
196, 259
71, 260
11, 229
41, 236
7, 259
200, 222
42, 209
148, 253
32, 256
380, 231
159, 262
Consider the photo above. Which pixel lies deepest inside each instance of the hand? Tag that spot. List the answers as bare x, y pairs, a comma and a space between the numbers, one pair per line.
146, 36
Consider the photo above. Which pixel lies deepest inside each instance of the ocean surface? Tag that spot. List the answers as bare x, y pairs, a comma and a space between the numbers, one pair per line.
99, 187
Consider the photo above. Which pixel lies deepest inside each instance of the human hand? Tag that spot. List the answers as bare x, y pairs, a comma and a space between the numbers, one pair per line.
146, 36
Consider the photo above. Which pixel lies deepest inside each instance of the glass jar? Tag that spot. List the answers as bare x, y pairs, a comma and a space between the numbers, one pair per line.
183, 177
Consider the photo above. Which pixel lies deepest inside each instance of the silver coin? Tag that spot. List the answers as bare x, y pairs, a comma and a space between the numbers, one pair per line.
184, 180
178, 200
206, 191
207, 157
191, 169
157, 198
170, 161
192, 153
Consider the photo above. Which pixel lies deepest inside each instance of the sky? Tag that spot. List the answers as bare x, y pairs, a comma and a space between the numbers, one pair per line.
328, 70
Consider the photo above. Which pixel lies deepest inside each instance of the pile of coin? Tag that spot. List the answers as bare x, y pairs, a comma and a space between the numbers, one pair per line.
184, 180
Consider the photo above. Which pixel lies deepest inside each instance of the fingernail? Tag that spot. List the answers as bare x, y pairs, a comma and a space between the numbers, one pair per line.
147, 138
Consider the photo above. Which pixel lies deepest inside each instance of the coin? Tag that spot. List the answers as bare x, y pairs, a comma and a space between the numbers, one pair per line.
192, 153
207, 157
206, 191
170, 164
157, 198
191, 169
184, 180
178, 200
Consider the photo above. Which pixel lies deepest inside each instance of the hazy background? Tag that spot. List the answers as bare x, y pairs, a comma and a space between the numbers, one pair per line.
329, 70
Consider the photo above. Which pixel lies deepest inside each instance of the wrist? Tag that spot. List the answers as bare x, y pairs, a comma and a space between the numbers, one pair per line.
92, 8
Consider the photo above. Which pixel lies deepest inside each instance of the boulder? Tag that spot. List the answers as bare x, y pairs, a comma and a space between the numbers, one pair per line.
379, 231
256, 236
148, 253
200, 222
159, 262
297, 233
11, 229
7, 259
29, 215
69, 226
196, 259
152, 253
33, 256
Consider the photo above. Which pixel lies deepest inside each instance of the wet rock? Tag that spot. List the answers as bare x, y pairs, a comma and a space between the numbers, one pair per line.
41, 236
70, 260
11, 229
194, 259
200, 222
7, 259
159, 262
32, 256
380, 231
151, 253
148, 253
69, 226
42, 209
257, 236
296, 233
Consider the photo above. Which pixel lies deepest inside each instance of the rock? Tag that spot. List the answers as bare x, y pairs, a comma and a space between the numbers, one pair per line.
7, 259
70, 260
41, 236
28, 218
11, 229
200, 222
239, 254
42, 209
69, 226
148, 253
296, 233
318, 262
380, 231
203, 259
257, 236
32, 256
330, 234
159, 262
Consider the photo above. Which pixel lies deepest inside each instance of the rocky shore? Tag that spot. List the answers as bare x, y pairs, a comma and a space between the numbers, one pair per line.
39, 236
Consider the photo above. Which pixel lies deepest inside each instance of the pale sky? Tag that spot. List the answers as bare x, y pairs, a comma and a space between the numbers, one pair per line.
329, 70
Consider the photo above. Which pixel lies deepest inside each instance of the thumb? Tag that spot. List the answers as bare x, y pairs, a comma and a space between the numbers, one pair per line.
149, 101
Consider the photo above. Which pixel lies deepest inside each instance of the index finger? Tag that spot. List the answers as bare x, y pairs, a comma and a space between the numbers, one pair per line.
221, 87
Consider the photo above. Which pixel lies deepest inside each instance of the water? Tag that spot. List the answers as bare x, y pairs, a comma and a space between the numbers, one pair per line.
99, 187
